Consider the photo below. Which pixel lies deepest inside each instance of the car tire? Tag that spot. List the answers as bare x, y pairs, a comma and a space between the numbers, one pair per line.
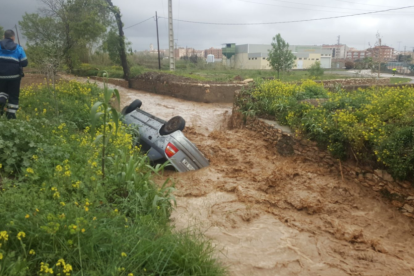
133, 106
123, 112
174, 124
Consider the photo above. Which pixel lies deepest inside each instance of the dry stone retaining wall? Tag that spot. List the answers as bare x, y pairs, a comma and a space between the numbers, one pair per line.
401, 193
211, 92
118, 82
355, 82
198, 92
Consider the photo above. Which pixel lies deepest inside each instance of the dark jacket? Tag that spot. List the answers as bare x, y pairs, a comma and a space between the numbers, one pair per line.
12, 58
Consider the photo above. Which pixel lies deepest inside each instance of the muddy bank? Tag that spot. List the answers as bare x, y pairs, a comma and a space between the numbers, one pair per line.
275, 215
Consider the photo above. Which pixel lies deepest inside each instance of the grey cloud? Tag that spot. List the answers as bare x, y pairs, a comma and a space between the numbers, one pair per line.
354, 31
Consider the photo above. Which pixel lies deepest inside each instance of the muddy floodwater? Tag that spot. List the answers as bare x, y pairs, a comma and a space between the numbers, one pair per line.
274, 215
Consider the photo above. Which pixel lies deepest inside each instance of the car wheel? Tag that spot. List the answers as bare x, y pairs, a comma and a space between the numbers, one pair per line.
174, 124
134, 105
123, 112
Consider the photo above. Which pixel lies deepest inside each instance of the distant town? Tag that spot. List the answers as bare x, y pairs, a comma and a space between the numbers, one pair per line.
254, 56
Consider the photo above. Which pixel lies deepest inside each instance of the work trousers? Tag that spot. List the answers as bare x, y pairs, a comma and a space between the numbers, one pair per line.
9, 94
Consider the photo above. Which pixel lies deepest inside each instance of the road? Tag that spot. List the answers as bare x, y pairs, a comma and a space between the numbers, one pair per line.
274, 215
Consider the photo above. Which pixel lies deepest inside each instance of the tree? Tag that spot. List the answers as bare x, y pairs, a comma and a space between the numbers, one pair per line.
121, 39
74, 23
280, 57
316, 70
404, 58
377, 54
1, 32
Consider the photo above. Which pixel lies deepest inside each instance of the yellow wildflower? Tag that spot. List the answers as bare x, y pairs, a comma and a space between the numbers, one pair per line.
29, 170
21, 235
123, 254
27, 216
4, 236
32, 252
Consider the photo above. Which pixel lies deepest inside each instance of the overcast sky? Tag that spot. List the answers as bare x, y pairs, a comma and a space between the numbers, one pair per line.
396, 27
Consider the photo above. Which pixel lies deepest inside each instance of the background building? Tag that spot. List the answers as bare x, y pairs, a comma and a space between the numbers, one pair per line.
339, 51
254, 56
357, 55
218, 53
385, 53
187, 52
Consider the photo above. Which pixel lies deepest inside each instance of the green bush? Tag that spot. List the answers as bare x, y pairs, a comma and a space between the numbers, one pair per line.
58, 216
316, 70
373, 126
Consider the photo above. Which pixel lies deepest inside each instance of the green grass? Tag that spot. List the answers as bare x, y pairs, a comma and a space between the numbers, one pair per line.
58, 213
225, 75
215, 73
397, 80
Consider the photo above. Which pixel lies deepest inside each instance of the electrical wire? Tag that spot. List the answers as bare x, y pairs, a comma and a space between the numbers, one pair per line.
293, 21
363, 4
315, 5
152, 17
300, 8
294, 8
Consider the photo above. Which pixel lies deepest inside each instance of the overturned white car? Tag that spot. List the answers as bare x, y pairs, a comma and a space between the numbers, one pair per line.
164, 140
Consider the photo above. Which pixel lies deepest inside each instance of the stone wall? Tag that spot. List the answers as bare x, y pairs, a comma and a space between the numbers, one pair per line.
355, 82
400, 193
118, 82
210, 92
193, 91
351, 88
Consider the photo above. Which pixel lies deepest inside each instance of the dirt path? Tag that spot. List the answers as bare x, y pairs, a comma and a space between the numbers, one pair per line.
273, 215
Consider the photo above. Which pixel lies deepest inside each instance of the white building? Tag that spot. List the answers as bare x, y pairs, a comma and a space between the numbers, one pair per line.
254, 56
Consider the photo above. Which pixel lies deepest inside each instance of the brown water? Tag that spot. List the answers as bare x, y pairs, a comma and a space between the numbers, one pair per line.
273, 215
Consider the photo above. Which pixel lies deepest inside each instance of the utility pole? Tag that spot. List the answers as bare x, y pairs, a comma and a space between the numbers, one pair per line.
158, 42
171, 35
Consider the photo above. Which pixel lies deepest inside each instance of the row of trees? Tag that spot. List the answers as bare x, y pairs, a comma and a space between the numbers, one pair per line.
64, 31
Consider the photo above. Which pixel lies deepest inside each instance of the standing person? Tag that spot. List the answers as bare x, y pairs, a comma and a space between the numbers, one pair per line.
394, 70
12, 60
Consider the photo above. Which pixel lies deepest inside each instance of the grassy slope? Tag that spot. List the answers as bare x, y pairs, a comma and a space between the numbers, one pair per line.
399, 80
57, 213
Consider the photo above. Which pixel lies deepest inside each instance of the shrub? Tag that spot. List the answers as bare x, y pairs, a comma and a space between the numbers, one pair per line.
58, 217
349, 65
316, 70
373, 125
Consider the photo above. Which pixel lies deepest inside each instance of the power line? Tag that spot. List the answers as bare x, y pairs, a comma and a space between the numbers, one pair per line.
300, 8
295, 8
293, 21
139, 23
363, 4
298, 3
